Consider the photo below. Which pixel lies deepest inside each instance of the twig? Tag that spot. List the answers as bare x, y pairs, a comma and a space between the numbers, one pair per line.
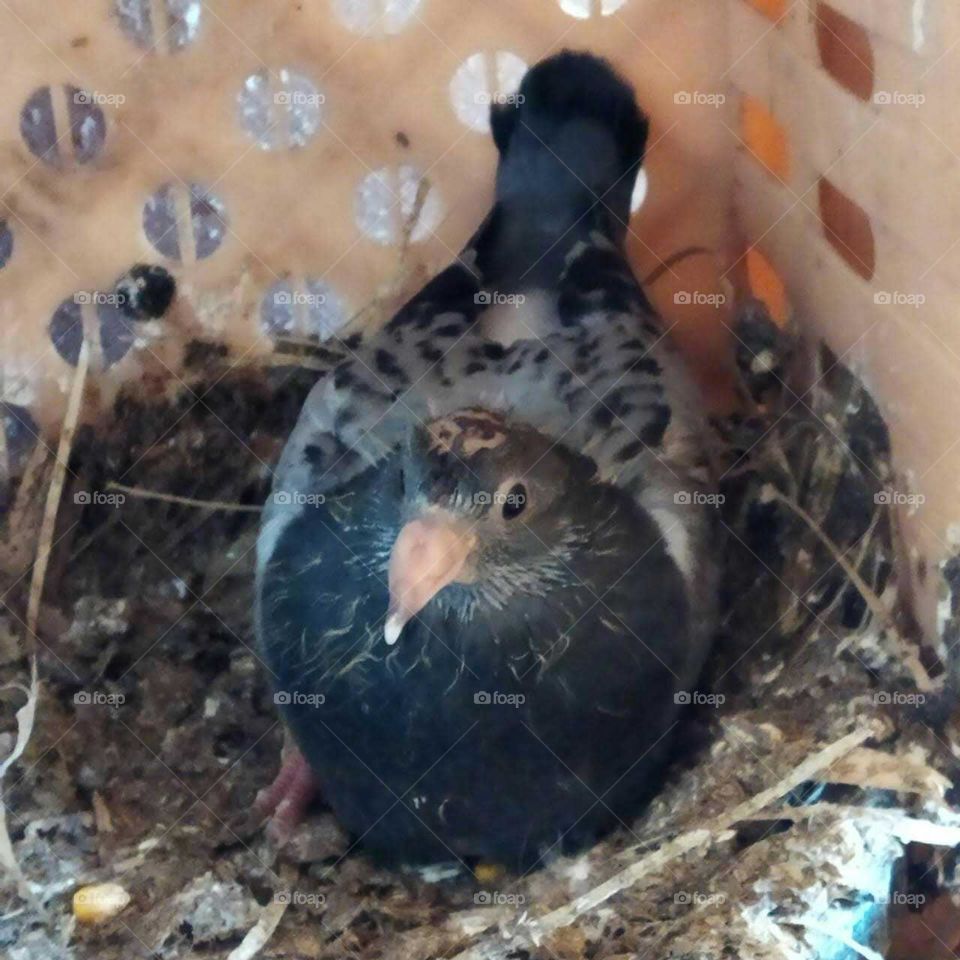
410, 222
145, 494
877, 607
26, 716
906, 829
259, 935
865, 543
55, 490
18, 552
538, 929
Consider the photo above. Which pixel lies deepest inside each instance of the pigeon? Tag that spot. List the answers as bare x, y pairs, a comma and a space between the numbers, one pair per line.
486, 572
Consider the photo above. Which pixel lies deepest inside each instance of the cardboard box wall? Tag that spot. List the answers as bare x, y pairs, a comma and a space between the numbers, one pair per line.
754, 106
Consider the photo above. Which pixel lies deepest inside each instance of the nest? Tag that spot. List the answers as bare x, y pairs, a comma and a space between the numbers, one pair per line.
808, 813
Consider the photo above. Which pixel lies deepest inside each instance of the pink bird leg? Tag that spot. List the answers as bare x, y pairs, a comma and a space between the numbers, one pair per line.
286, 800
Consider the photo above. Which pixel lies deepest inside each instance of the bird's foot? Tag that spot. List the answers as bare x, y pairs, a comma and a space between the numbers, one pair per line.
286, 800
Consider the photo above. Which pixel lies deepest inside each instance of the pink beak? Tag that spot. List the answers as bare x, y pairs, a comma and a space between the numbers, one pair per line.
428, 554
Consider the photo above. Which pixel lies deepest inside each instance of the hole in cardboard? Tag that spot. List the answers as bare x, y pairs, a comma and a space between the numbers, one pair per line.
765, 137
373, 17
178, 26
774, 9
115, 330
116, 333
208, 218
19, 437
206, 214
386, 200
280, 110
87, 126
483, 80
845, 51
38, 127
308, 309
641, 187
6, 243
66, 330
847, 227
585, 9
766, 285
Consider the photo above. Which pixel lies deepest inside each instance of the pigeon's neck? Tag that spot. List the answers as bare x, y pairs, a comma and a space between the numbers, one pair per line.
515, 583
525, 242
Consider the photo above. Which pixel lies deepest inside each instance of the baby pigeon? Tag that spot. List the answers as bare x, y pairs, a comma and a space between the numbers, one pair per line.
486, 569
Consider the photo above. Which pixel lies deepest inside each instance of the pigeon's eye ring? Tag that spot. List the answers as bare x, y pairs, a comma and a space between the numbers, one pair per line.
514, 501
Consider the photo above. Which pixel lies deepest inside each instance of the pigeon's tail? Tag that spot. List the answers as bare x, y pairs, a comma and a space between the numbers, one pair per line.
571, 140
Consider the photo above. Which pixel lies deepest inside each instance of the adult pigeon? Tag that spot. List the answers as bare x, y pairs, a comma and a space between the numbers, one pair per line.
485, 572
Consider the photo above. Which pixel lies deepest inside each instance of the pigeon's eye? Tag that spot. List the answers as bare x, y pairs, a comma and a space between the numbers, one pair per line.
514, 501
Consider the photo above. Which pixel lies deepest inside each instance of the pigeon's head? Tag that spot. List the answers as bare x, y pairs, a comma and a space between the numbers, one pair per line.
488, 503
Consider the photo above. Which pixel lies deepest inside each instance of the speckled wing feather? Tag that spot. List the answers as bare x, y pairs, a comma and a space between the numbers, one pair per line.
604, 380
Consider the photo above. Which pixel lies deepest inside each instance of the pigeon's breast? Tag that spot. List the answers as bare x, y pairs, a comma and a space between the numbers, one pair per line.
489, 734
529, 315
498, 725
